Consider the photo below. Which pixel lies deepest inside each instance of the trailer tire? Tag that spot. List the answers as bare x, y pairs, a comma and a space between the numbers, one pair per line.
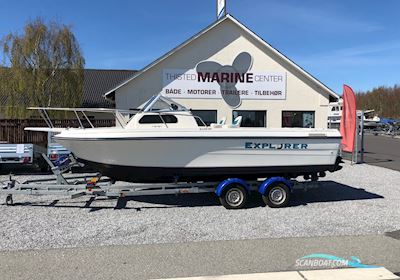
277, 195
234, 196
9, 200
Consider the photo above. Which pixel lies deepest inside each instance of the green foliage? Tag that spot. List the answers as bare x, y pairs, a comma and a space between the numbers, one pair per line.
384, 100
41, 67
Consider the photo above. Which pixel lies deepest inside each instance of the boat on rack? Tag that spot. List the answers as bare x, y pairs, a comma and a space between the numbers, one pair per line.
163, 142
335, 110
370, 118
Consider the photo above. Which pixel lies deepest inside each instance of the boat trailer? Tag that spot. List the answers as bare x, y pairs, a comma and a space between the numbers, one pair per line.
232, 192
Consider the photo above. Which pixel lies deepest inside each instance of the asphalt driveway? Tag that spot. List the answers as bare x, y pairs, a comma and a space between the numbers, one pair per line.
382, 151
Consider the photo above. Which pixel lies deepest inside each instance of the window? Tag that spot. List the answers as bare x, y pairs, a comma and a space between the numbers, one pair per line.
157, 119
251, 118
150, 119
208, 116
298, 119
169, 118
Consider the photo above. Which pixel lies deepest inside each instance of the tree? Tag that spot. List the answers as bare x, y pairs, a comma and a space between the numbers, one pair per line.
43, 66
384, 100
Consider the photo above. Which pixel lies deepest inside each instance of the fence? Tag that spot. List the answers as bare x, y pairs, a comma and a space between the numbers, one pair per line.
12, 130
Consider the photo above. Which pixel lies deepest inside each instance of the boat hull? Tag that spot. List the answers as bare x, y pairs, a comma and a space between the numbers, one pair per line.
167, 159
193, 174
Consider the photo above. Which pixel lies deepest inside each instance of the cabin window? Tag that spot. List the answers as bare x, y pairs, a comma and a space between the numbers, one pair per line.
169, 118
298, 119
208, 116
150, 119
251, 118
157, 119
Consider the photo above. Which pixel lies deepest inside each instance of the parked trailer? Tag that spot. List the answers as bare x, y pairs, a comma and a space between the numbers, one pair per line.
232, 192
29, 154
21, 154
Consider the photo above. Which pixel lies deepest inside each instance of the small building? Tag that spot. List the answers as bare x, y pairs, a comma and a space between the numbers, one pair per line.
226, 70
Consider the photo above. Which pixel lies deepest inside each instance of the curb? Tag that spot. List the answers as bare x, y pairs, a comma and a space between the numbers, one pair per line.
380, 273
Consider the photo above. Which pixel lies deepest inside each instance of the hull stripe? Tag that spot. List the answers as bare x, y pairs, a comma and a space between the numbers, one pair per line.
189, 137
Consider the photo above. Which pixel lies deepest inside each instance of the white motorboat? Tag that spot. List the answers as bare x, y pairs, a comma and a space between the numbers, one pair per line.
371, 120
335, 114
163, 142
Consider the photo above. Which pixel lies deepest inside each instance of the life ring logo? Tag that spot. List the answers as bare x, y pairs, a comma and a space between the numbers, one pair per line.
227, 76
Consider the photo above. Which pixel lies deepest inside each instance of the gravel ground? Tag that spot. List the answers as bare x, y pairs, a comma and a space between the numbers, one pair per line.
358, 200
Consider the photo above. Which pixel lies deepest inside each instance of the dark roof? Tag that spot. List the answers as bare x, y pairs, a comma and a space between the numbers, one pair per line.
96, 83
99, 81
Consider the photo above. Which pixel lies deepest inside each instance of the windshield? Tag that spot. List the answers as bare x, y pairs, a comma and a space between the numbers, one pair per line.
161, 103
147, 103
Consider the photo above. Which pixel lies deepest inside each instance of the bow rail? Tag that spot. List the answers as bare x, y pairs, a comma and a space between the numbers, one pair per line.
118, 114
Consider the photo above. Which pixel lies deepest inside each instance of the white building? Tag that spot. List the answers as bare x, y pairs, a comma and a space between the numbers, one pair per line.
256, 81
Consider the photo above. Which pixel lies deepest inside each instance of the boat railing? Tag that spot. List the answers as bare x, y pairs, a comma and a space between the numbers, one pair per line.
120, 115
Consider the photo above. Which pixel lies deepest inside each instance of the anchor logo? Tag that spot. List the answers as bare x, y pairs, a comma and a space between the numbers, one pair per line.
229, 75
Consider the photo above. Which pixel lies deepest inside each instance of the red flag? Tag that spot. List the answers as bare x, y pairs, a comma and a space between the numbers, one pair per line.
348, 122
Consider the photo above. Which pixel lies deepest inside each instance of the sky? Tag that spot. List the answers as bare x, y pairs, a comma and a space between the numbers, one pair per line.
354, 42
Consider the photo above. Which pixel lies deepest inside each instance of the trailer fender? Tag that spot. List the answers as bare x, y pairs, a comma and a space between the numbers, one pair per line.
268, 182
221, 186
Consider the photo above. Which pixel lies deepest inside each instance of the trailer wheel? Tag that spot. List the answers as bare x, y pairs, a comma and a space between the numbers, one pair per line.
277, 195
9, 200
234, 197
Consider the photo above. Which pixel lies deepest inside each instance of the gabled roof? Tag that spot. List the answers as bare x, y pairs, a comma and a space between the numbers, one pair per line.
98, 81
247, 30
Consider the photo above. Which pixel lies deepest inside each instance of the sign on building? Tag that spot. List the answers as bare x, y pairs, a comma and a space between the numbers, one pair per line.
183, 83
232, 83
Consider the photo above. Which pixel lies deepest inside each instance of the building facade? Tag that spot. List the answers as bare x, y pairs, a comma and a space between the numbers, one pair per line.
225, 71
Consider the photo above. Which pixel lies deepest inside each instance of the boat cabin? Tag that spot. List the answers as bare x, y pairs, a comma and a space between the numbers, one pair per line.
162, 112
